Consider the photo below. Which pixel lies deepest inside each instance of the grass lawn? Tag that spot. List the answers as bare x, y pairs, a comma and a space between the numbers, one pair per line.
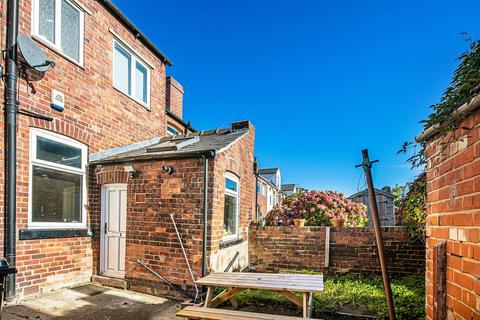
359, 294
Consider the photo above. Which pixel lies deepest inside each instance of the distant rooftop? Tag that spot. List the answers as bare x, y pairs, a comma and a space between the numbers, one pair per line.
268, 170
288, 187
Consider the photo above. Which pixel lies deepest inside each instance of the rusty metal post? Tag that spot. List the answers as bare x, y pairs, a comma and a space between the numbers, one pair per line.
367, 166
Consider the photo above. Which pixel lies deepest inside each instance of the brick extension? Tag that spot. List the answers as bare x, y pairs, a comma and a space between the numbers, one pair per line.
351, 250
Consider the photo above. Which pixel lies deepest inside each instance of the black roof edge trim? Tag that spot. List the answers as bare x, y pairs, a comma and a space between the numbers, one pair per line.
177, 118
113, 9
200, 154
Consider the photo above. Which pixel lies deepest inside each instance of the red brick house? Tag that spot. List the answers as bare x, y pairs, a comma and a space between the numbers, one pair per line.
453, 219
72, 171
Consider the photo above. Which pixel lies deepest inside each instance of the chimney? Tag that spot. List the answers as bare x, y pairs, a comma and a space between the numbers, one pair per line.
174, 96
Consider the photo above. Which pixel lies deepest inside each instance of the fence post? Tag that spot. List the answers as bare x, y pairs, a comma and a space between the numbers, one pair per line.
327, 246
439, 281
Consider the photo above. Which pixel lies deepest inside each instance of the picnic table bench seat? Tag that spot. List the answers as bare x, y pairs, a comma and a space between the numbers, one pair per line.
192, 312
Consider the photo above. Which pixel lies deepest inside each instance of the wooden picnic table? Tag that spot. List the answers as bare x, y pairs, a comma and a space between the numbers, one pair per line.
283, 283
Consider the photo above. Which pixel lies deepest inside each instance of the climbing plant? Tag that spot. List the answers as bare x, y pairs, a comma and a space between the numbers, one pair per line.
465, 84
411, 211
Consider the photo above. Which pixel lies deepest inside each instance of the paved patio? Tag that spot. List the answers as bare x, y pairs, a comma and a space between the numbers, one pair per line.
93, 302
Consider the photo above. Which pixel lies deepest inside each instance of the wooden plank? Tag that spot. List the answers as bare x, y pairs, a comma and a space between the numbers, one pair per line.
439, 281
222, 314
208, 297
293, 298
267, 286
327, 247
265, 281
305, 305
224, 296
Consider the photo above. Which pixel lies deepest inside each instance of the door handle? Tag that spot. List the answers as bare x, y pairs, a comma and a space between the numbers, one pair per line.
105, 228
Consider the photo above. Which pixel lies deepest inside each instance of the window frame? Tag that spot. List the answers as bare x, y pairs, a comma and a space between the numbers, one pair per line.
172, 128
134, 60
58, 31
82, 171
229, 192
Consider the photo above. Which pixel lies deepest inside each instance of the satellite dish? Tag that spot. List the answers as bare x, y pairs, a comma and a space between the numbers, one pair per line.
31, 56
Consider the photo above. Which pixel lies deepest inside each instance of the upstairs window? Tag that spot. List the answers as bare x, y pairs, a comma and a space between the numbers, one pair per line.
59, 23
57, 181
231, 207
130, 75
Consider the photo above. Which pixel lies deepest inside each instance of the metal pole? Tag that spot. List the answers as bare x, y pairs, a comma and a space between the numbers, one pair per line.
10, 115
367, 166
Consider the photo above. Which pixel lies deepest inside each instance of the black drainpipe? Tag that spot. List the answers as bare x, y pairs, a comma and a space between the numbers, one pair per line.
10, 115
205, 156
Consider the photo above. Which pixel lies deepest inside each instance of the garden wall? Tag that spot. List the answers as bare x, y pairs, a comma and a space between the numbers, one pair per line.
333, 250
453, 221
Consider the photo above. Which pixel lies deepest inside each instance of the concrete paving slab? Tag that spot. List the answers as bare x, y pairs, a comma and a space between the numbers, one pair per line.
93, 302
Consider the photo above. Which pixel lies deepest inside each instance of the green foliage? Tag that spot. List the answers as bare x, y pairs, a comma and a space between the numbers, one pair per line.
412, 209
465, 84
363, 292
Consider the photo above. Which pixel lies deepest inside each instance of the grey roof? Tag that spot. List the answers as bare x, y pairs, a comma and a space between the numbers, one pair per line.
189, 145
268, 170
288, 187
377, 191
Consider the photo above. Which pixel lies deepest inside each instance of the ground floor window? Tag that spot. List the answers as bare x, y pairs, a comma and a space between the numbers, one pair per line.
231, 206
57, 181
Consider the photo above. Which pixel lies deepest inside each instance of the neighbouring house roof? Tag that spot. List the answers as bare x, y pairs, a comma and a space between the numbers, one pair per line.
288, 187
377, 191
179, 146
268, 170
265, 180
116, 12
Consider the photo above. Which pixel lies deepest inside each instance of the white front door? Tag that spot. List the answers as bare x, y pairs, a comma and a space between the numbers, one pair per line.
113, 230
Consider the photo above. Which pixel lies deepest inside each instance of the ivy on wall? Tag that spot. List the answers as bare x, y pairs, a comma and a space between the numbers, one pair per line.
465, 84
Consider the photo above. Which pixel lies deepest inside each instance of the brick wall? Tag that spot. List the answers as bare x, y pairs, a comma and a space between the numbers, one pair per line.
453, 215
174, 96
95, 114
351, 250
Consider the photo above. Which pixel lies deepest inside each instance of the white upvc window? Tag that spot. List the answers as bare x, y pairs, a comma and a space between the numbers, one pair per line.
130, 74
60, 24
57, 190
172, 131
231, 206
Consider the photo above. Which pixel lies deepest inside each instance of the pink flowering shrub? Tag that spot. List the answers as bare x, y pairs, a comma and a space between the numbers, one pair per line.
318, 208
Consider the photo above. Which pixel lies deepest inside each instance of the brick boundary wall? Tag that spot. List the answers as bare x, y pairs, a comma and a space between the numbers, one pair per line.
350, 250
453, 218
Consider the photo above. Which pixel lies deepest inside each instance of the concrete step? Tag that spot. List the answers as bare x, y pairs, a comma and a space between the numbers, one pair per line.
110, 282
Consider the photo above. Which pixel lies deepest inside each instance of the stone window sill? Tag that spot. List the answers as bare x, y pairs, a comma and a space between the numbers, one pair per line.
230, 243
32, 234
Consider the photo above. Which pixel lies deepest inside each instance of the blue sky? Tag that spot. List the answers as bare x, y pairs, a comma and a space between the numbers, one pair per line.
320, 80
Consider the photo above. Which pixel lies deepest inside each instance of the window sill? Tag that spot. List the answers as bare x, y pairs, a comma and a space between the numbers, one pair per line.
144, 105
63, 55
31, 234
226, 243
